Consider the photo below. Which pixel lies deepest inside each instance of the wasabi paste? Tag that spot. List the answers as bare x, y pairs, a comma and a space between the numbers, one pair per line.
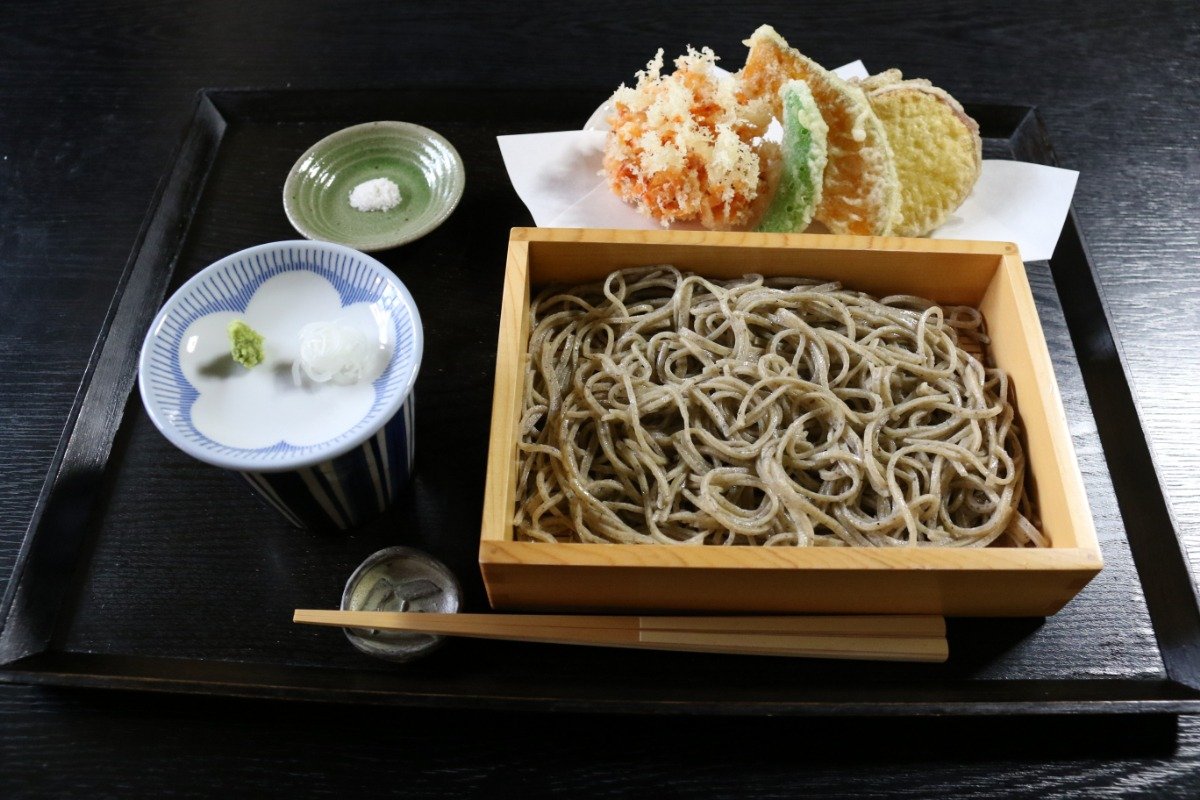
245, 344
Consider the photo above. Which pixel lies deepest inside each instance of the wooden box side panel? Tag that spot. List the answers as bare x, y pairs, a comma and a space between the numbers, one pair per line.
1019, 348
565, 587
761, 559
507, 397
957, 275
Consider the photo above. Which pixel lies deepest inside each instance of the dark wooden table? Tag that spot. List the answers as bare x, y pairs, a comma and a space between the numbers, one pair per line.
92, 101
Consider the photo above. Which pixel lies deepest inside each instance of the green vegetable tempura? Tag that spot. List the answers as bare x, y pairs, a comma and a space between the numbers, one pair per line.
245, 344
805, 153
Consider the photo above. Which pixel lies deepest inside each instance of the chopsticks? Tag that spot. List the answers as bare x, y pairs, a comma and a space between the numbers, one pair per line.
882, 638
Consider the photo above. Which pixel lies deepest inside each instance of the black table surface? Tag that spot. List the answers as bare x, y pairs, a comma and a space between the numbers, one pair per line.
93, 97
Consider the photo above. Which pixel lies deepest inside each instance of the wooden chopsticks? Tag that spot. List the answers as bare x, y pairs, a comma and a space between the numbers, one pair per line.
883, 638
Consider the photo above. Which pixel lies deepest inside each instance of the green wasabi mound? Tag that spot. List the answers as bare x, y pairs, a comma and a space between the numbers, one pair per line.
245, 344
805, 151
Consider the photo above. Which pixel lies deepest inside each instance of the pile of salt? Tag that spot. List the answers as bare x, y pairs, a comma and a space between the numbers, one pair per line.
379, 194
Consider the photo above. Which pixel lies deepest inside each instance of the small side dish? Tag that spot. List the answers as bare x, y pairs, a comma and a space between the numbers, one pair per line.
374, 186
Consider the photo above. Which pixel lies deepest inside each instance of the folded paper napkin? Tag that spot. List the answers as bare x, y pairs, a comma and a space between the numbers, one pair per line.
558, 178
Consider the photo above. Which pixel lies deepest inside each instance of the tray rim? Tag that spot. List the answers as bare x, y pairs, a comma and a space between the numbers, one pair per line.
23, 661
1173, 697
174, 184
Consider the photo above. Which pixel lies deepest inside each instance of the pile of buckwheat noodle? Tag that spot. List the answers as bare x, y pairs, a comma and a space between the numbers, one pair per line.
665, 408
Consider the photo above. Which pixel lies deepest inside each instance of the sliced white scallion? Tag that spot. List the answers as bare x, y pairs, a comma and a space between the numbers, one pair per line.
330, 351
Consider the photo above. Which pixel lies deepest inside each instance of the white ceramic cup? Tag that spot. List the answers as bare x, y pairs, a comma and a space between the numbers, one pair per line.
322, 454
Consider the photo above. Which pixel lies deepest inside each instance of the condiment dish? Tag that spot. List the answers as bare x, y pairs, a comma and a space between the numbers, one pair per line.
323, 454
426, 169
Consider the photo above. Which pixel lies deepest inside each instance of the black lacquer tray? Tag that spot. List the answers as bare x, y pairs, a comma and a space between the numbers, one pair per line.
144, 569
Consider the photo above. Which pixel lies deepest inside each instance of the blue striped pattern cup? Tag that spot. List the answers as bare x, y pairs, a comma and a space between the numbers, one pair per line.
322, 455
346, 491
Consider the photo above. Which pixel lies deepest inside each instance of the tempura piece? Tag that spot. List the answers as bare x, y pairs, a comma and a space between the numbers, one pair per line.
804, 156
683, 147
936, 145
861, 193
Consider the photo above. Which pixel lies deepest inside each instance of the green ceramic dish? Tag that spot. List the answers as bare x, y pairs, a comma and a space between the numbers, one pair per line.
426, 168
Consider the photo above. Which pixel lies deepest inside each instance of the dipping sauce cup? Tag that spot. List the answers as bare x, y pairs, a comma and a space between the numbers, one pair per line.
323, 453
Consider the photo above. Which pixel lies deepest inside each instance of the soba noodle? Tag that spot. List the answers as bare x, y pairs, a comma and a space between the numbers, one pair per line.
665, 408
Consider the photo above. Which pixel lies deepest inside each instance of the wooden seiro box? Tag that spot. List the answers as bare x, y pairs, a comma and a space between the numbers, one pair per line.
993, 581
